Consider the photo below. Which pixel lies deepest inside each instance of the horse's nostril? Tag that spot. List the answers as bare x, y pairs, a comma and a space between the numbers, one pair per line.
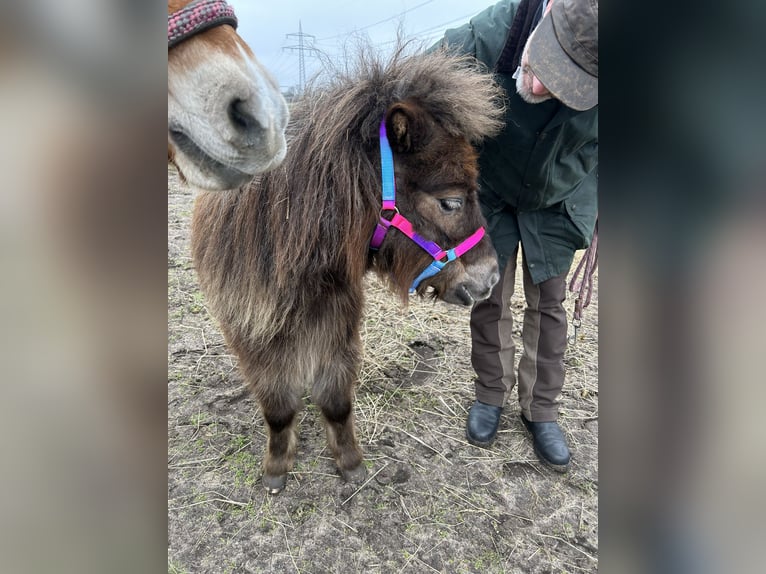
241, 117
493, 279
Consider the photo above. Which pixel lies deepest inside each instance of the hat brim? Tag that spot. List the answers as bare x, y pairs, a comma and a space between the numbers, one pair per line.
561, 75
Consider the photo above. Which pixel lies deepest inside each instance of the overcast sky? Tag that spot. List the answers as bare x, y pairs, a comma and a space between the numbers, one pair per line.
264, 25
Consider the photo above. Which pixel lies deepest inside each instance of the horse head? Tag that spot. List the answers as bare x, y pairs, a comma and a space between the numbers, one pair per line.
226, 116
435, 175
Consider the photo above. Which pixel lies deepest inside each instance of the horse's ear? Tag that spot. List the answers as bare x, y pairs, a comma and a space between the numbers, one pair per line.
405, 127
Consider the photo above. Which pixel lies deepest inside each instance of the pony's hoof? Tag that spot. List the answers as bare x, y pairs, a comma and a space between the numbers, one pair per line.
274, 484
355, 475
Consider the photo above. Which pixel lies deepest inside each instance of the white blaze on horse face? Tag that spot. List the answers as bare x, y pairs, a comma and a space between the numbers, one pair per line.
226, 116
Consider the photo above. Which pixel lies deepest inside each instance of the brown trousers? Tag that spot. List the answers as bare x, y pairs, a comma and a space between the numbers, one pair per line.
544, 337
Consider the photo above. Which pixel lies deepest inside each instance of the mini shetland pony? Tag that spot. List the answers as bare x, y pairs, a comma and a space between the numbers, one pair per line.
282, 261
226, 117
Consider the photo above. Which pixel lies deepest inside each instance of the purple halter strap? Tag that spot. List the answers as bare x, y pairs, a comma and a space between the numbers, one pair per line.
198, 17
402, 224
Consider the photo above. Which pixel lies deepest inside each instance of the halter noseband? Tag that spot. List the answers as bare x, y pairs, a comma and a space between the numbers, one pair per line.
197, 17
402, 224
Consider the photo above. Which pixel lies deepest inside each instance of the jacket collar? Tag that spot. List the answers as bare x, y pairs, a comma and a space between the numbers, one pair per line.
528, 14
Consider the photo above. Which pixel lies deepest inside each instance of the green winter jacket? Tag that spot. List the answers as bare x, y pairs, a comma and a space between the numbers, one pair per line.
539, 176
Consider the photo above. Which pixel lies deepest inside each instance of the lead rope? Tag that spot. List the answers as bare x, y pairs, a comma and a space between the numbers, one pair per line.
582, 283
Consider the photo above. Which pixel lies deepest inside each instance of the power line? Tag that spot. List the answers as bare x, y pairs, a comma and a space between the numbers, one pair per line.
394, 17
431, 31
438, 26
283, 67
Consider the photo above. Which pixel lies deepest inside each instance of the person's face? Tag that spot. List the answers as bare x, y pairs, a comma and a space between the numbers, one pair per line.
528, 86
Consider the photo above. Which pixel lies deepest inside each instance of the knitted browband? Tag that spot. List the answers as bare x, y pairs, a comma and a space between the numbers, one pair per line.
197, 17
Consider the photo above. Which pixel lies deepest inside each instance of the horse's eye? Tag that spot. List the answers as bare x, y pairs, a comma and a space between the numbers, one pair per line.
451, 204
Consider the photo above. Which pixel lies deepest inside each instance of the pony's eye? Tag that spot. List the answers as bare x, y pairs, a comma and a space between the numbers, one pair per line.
451, 204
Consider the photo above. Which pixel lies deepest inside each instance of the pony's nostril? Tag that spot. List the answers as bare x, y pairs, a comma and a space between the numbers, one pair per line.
493, 279
484, 294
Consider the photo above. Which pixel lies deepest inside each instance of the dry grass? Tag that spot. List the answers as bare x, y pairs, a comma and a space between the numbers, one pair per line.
432, 502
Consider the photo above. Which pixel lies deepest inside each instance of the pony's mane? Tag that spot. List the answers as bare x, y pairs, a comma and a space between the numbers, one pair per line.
328, 188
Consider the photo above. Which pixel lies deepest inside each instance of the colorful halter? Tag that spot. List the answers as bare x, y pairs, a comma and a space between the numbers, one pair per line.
198, 17
402, 224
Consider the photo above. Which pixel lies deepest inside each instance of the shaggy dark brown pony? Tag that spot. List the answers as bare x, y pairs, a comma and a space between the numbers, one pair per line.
282, 260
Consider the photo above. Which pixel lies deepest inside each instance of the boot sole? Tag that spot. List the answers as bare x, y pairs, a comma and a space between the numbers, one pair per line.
482, 444
562, 468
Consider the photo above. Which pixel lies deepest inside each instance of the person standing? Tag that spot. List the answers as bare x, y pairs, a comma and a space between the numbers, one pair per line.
538, 189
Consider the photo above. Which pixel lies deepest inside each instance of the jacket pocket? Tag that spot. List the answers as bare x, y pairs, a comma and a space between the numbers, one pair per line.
582, 208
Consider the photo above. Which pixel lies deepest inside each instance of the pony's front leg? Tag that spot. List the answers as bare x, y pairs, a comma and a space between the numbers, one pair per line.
279, 399
333, 393
279, 411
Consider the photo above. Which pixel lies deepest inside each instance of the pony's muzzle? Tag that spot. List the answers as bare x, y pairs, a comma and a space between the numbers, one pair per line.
476, 285
488, 285
481, 278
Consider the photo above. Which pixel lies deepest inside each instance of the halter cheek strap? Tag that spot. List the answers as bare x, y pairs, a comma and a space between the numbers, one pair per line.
402, 223
198, 17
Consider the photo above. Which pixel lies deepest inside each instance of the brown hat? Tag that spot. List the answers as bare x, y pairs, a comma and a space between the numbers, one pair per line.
563, 52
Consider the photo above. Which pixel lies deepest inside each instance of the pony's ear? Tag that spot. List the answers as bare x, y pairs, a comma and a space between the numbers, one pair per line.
405, 127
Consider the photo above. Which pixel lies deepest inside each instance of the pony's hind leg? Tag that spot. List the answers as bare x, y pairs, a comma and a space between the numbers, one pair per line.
333, 393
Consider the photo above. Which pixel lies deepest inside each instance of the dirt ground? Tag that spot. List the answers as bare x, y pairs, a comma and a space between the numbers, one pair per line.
432, 502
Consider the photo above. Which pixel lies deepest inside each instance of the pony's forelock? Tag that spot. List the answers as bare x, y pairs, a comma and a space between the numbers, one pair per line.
454, 89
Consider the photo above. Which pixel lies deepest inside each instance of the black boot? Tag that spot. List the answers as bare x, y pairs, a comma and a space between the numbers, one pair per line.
550, 444
482, 423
